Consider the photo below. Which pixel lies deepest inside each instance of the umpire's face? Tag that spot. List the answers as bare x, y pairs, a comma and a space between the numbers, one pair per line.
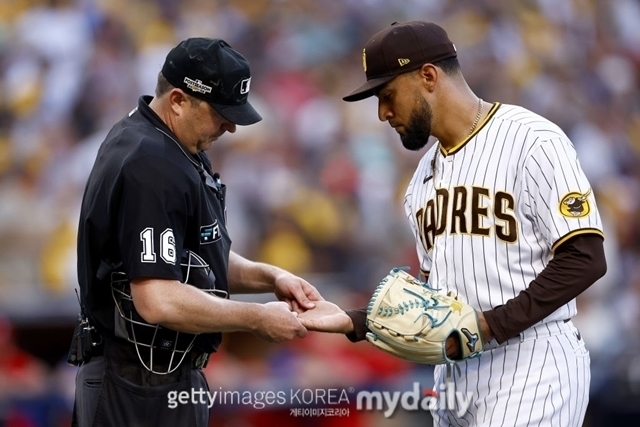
196, 123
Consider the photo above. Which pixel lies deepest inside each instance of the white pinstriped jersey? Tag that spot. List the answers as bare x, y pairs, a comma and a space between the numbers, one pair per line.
488, 213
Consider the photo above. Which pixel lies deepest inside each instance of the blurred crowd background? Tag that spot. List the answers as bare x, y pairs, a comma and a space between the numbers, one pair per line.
316, 187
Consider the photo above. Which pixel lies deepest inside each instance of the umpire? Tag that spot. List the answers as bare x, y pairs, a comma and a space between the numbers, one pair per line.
154, 261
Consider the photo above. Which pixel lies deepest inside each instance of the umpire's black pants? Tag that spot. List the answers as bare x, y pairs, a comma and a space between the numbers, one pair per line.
109, 394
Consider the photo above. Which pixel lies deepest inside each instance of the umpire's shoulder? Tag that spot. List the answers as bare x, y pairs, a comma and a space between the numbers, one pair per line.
148, 155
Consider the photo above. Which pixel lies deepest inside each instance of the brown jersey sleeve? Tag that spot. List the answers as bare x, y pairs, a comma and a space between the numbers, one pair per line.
576, 265
359, 319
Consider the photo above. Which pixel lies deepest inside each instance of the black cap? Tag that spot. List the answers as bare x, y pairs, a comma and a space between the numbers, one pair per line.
212, 70
400, 48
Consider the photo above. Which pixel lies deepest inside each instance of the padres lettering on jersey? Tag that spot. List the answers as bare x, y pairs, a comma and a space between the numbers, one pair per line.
463, 210
488, 213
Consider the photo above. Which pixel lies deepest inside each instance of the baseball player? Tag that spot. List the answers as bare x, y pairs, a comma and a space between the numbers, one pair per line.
154, 260
503, 216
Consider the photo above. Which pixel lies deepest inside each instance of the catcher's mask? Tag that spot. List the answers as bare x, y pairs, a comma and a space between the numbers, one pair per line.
160, 350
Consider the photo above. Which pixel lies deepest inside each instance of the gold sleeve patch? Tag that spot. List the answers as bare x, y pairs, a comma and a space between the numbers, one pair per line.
575, 205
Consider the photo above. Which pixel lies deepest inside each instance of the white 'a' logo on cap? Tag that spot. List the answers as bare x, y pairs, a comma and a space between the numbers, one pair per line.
244, 86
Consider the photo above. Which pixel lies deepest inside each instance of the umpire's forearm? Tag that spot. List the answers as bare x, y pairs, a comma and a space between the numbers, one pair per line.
185, 308
247, 276
577, 264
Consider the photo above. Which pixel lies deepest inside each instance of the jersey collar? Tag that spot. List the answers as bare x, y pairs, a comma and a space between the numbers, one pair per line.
464, 142
156, 121
212, 182
149, 114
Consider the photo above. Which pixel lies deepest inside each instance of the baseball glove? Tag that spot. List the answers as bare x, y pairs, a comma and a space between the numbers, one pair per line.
412, 321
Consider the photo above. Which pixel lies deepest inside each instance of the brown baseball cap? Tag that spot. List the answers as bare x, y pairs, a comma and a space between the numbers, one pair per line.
402, 47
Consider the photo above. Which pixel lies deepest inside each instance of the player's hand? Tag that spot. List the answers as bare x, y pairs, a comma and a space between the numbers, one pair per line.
326, 317
296, 292
453, 347
278, 323
453, 342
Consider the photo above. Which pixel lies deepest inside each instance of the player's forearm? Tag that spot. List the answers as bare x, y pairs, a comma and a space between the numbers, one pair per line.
185, 308
576, 265
247, 276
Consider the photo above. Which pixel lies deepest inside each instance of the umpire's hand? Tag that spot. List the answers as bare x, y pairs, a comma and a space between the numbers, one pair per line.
278, 323
295, 291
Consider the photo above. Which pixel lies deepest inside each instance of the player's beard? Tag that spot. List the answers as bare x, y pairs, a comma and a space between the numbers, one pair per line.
418, 130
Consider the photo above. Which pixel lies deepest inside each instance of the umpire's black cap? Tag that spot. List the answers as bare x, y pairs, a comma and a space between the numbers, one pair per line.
212, 70
400, 48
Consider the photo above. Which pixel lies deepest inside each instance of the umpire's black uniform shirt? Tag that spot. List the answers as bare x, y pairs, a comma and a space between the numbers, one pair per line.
146, 201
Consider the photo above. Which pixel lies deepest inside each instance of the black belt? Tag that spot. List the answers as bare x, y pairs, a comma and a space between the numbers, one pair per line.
125, 352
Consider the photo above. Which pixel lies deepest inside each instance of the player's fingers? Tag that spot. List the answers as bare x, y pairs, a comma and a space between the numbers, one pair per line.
453, 347
305, 322
310, 324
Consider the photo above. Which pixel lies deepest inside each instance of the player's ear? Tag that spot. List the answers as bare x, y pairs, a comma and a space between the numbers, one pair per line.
428, 75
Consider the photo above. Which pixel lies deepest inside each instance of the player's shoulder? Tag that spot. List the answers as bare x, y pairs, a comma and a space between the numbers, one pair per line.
537, 126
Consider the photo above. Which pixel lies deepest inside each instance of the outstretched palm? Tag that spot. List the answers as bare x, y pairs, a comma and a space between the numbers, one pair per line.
326, 317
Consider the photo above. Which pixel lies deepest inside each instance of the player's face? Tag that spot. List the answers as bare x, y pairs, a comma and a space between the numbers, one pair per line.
418, 130
202, 126
402, 105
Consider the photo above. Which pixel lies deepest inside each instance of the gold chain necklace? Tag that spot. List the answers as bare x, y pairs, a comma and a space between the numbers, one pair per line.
475, 122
